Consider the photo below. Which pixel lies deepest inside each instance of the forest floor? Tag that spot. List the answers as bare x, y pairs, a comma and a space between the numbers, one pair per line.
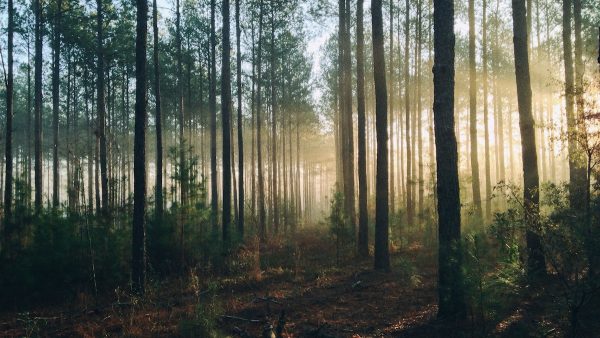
301, 289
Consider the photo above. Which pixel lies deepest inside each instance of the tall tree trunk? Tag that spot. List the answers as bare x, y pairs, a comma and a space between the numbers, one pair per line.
38, 105
240, 135
419, 112
473, 114
484, 60
226, 122
576, 176
55, 104
409, 174
101, 105
261, 182
535, 260
274, 164
158, 189
348, 125
578, 89
181, 112
382, 258
253, 128
212, 102
390, 84
138, 251
363, 216
8, 156
450, 283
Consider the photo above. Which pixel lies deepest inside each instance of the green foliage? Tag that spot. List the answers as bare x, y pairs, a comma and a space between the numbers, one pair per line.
342, 234
207, 313
59, 256
494, 277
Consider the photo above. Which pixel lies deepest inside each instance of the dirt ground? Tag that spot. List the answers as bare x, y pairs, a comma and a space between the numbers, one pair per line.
301, 290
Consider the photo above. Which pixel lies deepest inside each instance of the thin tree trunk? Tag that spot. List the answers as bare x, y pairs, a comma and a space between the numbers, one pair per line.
240, 136
390, 85
158, 189
409, 173
419, 112
38, 105
576, 176
55, 104
274, 164
261, 184
101, 106
484, 60
181, 113
473, 114
363, 217
8, 155
226, 122
212, 102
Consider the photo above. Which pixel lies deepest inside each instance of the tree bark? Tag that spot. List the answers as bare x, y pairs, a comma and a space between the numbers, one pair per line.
261, 182
55, 104
363, 216
274, 113
450, 278
409, 174
212, 103
158, 117
473, 114
138, 250
183, 166
382, 258
38, 105
8, 190
226, 122
484, 60
535, 260
240, 135
576, 172
101, 106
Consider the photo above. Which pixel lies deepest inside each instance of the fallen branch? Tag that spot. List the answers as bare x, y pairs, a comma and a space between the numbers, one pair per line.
242, 319
267, 300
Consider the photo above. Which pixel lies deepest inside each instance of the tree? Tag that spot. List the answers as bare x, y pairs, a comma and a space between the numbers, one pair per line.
345, 92
531, 198
138, 250
101, 104
576, 172
410, 211
181, 113
261, 182
450, 283
158, 117
240, 136
8, 190
274, 165
382, 257
363, 217
56, 46
473, 113
226, 122
484, 60
212, 106
38, 105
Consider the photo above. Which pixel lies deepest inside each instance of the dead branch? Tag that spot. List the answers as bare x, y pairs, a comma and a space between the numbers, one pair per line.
242, 319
